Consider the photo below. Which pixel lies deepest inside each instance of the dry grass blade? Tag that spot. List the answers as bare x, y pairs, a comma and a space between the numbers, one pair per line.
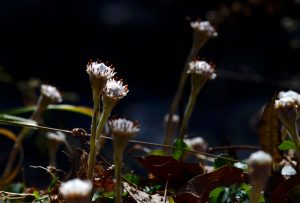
10, 135
269, 131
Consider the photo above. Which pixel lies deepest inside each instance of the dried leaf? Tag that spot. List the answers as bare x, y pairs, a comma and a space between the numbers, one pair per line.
143, 197
269, 132
280, 194
167, 168
198, 188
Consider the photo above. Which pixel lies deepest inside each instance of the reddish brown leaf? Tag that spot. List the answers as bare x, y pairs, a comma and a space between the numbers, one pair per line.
269, 132
280, 194
198, 188
167, 168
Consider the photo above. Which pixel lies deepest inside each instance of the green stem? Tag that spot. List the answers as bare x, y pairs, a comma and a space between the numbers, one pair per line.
198, 43
118, 151
95, 137
40, 108
92, 155
187, 114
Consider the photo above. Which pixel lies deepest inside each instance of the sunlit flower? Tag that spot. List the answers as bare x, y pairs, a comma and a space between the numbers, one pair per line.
123, 127
99, 75
115, 89
99, 70
204, 27
260, 157
290, 94
202, 68
51, 93
76, 190
285, 102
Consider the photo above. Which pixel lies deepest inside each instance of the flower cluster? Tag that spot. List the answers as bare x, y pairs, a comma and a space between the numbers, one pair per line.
204, 27
260, 157
76, 190
124, 127
202, 68
115, 89
99, 70
287, 99
51, 93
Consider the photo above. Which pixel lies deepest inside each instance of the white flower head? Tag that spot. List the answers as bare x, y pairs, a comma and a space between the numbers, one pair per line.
290, 94
115, 89
76, 189
124, 127
288, 171
285, 102
202, 68
204, 27
260, 157
240, 165
196, 143
56, 136
99, 70
50, 92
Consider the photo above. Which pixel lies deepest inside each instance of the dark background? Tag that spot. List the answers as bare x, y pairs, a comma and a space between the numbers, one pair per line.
256, 54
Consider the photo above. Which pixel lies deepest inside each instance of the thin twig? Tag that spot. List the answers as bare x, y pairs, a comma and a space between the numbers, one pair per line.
48, 171
132, 141
234, 147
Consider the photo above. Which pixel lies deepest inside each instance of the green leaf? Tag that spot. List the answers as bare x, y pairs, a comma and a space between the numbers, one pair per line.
216, 195
287, 145
171, 200
52, 184
158, 152
36, 194
131, 178
219, 161
181, 146
62, 107
17, 119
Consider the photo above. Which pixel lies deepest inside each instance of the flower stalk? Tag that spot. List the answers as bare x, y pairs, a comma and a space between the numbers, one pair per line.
201, 72
111, 94
259, 166
49, 94
122, 131
202, 32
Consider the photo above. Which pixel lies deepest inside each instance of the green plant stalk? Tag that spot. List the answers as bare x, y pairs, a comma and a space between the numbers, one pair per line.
198, 43
291, 126
197, 84
92, 154
255, 194
96, 138
119, 143
41, 106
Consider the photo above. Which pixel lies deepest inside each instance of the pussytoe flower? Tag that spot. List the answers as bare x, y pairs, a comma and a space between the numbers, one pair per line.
259, 167
202, 68
99, 74
204, 27
51, 93
123, 127
288, 171
290, 94
76, 191
122, 130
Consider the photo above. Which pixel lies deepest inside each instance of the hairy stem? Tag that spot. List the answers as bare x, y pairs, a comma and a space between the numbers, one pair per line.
118, 151
92, 155
198, 43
